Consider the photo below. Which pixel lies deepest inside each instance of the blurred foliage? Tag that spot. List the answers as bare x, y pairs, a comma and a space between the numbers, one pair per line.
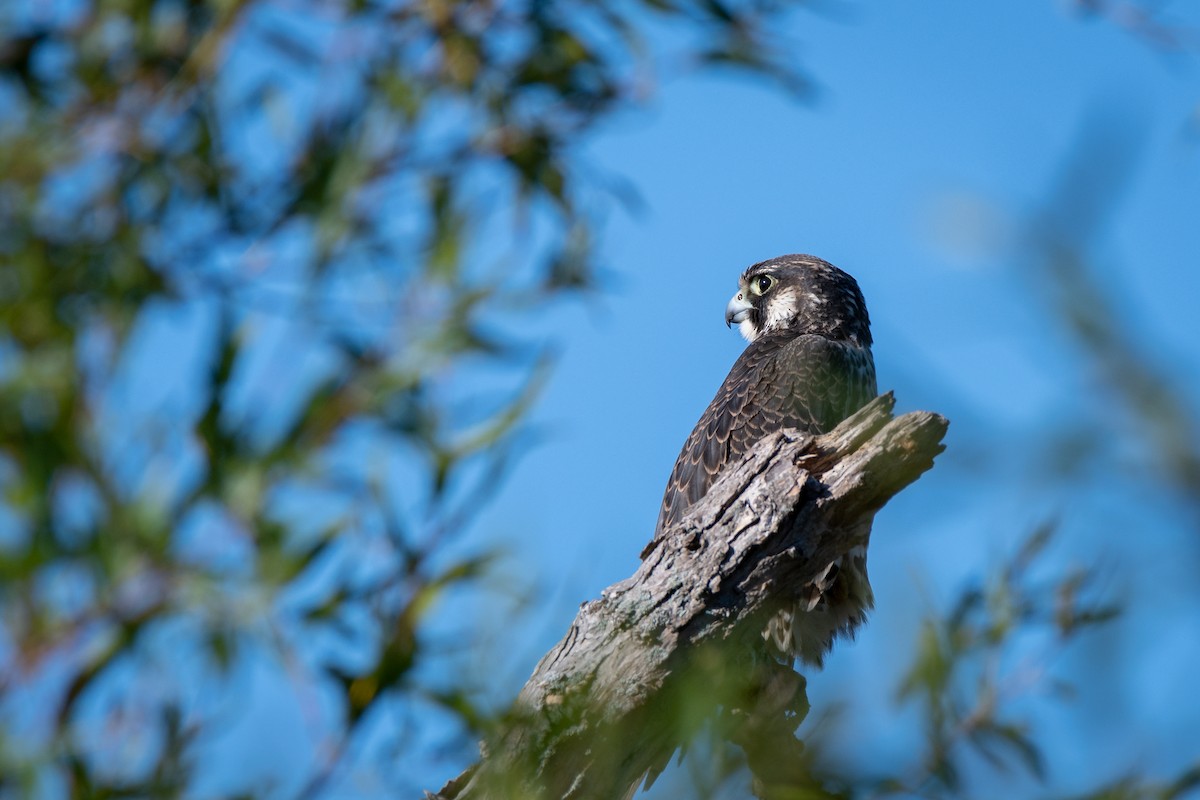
1154, 22
260, 262
962, 681
1066, 242
978, 672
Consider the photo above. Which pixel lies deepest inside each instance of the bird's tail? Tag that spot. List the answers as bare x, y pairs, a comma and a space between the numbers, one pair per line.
833, 605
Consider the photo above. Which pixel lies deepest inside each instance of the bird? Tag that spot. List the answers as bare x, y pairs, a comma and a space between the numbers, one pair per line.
808, 366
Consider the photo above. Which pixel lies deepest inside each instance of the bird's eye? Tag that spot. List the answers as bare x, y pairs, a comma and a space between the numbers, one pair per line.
762, 283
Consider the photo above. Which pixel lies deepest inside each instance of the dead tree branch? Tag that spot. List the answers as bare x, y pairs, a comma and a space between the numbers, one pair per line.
658, 653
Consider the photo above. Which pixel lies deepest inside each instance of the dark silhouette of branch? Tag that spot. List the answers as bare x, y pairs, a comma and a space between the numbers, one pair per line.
680, 640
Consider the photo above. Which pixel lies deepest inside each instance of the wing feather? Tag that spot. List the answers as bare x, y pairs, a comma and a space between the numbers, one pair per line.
807, 382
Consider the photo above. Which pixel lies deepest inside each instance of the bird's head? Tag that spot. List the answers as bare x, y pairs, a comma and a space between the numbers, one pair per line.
796, 295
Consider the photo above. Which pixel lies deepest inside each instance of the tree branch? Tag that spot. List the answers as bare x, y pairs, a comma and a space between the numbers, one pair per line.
662, 651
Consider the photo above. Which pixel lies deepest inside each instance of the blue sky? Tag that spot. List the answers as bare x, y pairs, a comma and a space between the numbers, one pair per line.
936, 131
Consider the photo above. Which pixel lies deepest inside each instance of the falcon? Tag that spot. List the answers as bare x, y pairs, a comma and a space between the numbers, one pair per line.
808, 366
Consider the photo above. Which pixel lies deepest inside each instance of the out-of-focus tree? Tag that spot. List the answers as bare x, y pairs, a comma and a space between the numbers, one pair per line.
259, 262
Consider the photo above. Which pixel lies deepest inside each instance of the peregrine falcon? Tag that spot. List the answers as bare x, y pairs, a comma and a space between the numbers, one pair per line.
808, 366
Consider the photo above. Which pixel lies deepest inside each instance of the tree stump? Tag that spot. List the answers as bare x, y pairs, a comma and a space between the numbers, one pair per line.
679, 642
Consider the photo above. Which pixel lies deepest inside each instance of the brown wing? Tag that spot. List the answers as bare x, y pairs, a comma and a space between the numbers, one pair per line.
808, 382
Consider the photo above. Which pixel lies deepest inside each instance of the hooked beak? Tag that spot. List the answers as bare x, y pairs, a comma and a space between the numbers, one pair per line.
738, 309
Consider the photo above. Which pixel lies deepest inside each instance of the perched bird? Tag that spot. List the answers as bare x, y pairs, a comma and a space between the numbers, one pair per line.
808, 366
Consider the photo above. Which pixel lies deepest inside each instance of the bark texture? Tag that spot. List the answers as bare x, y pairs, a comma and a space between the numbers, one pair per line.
680, 640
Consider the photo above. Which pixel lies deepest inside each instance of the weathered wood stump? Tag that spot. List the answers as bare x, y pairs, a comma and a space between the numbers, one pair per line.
680, 640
